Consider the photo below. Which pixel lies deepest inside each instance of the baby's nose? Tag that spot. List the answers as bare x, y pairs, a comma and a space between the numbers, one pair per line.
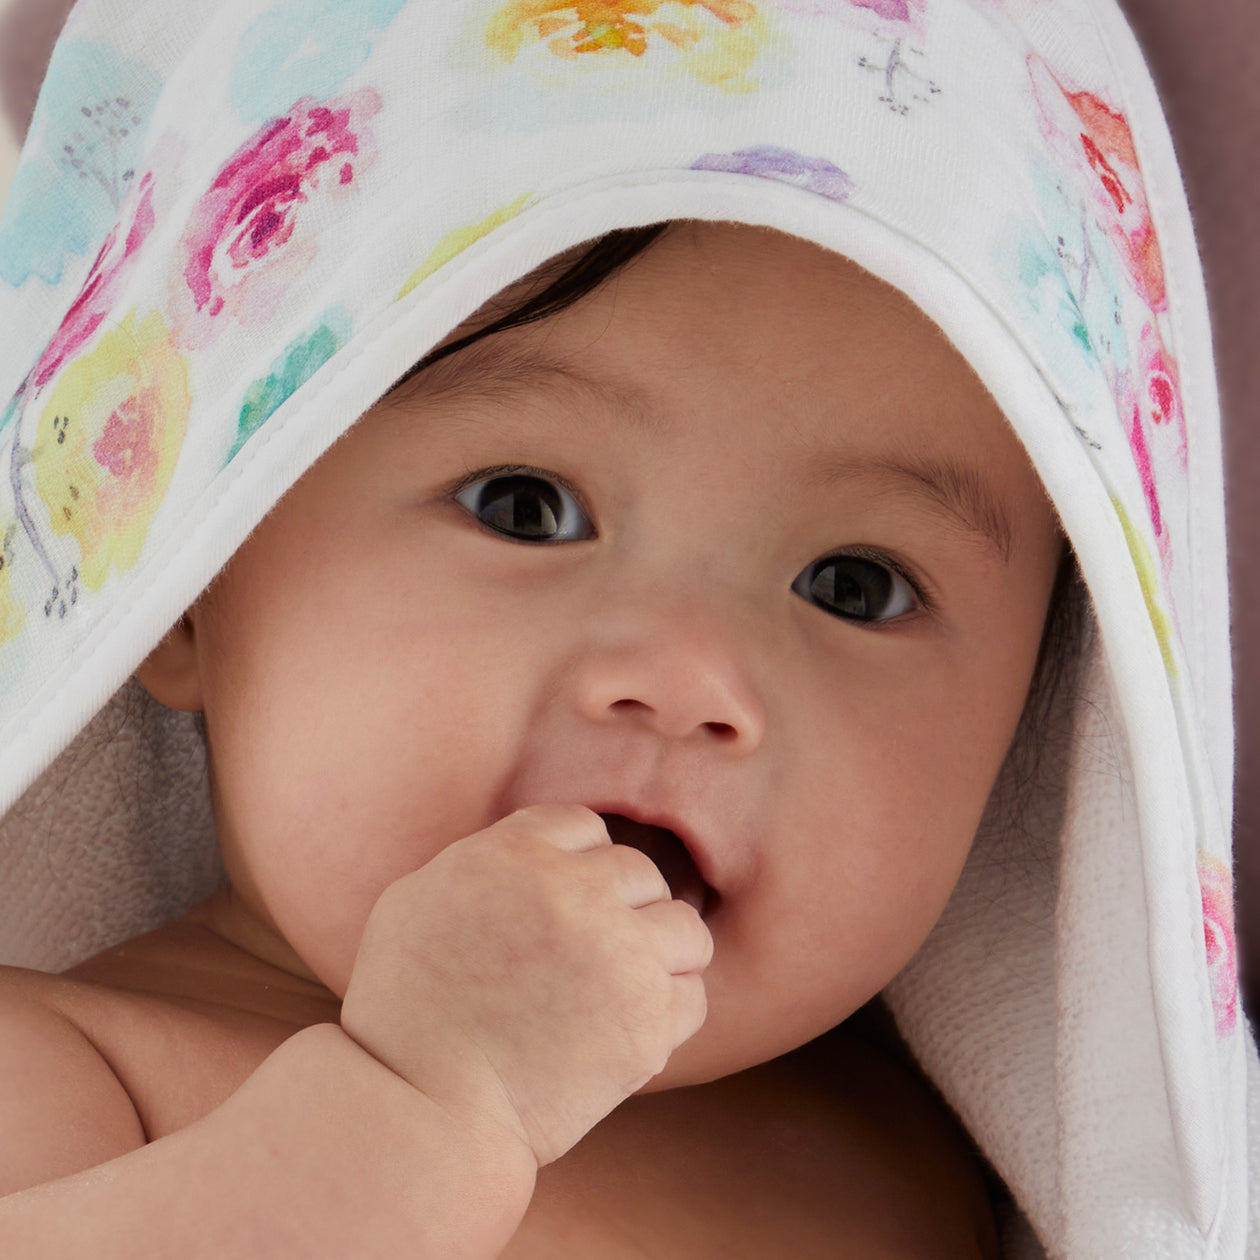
680, 681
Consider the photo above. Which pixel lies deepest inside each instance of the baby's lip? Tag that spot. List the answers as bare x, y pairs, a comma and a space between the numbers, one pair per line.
673, 848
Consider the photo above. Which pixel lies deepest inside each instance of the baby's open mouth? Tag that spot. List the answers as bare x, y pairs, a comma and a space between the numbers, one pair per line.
671, 858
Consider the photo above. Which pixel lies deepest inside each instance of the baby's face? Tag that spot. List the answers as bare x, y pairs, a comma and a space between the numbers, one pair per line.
737, 545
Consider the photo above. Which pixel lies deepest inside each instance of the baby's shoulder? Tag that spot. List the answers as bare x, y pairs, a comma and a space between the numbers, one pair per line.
62, 1105
91, 1069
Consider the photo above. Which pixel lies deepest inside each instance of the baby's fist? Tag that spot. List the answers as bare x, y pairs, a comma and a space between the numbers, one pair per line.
532, 976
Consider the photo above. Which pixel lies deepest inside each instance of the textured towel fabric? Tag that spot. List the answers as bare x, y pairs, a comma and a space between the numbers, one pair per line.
234, 225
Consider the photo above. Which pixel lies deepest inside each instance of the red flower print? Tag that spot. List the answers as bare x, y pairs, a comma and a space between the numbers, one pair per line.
1218, 935
1136, 432
1162, 391
1149, 400
244, 243
1095, 139
100, 289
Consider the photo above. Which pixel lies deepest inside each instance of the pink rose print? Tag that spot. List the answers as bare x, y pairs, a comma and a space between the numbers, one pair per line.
1094, 138
1154, 423
245, 241
1136, 433
1218, 934
100, 289
1162, 395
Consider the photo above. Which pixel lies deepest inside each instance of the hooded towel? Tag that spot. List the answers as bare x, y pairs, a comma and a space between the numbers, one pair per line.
234, 225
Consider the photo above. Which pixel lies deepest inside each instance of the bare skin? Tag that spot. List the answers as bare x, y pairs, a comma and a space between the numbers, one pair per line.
835, 1142
802, 644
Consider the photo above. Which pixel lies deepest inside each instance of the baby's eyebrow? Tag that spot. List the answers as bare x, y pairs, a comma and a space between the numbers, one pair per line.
946, 484
491, 371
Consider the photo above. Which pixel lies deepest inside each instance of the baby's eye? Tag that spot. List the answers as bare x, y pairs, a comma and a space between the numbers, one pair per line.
527, 507
856, 588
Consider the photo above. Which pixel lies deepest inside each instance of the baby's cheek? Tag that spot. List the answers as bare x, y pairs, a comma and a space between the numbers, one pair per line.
326, 935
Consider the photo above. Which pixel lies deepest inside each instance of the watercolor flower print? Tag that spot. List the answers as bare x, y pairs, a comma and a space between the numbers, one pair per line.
715, 42
250, 235
1104, 189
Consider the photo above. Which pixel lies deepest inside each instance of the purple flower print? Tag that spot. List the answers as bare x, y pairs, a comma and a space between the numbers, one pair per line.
768, 161
891, 19
889, 10
244, 243
895, 10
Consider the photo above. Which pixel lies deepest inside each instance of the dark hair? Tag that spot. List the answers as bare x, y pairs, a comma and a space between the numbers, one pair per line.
1036, 761
599, 262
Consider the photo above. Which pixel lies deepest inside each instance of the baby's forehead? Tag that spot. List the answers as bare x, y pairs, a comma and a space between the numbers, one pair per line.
797, 347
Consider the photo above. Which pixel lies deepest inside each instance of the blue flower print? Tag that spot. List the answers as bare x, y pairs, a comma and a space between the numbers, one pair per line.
303, 48
1069, 277
85, 143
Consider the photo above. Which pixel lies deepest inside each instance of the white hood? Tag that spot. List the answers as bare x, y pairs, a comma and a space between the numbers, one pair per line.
235, 226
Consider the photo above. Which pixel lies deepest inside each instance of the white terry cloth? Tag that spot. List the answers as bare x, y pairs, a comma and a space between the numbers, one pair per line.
235, 225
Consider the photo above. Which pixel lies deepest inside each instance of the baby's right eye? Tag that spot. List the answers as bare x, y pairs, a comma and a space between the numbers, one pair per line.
527, 505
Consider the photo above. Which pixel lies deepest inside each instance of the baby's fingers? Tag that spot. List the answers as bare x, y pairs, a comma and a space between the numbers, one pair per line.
564, 826
684, 942
691, 1006
636, 879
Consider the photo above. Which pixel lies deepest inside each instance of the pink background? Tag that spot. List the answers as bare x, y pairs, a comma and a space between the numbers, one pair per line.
1203, 55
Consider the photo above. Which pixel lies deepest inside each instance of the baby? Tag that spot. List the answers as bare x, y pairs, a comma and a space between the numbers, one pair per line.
610, 711
690, 535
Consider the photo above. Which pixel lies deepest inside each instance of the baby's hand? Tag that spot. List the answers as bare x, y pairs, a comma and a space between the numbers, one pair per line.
532, 975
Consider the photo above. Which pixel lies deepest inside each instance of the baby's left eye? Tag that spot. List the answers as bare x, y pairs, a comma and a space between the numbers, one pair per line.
856, 589
526, 506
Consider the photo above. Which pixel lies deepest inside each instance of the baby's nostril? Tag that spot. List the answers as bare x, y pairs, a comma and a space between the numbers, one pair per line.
723, 730
629, 704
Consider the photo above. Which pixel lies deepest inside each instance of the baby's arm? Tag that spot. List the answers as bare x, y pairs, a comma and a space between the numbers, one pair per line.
323, 1151
506, 997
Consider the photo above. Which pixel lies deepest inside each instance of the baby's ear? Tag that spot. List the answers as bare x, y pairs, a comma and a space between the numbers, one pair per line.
170, 672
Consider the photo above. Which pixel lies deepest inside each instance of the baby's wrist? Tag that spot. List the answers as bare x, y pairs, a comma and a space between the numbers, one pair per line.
422, 1142
457, 1092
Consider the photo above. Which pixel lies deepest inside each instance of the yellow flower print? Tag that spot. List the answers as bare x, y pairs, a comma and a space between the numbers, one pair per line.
1149, 580
718, 39
455, 242
12, 614
107, 443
